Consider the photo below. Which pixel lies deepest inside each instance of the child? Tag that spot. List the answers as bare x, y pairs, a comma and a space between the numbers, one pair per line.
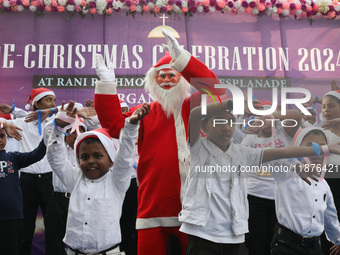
11, 210
304, 211
261, 184
97, 189
331, 113
215, 206
57, 208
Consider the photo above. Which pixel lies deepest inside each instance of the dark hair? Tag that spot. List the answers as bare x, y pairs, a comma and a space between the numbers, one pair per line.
335, 98
90, 140
315, 132
228, 109
34, 107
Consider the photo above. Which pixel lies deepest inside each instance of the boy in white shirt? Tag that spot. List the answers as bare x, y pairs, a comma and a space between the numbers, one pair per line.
57, 208
215, 207
98, 185
305, 211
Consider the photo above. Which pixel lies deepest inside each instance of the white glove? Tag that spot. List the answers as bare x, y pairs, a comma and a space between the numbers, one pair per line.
106, 74
173, 46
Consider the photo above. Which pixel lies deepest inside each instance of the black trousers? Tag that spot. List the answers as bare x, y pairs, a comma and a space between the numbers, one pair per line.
283, 245
128, 220
262, 220
55, 224
10, 236
36, 191
200, 246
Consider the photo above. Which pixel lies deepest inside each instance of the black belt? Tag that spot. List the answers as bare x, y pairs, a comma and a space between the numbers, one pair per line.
34, 175
304, 241
101, 252
62, 194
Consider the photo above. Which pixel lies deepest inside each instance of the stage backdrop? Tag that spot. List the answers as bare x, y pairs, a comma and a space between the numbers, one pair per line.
243, 50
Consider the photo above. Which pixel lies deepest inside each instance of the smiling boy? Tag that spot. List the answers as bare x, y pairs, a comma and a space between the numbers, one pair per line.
97, 185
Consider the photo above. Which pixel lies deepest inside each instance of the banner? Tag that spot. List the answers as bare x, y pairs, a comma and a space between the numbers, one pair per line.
261, 52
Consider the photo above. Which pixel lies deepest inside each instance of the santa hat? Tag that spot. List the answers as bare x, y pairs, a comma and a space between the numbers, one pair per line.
334, 93
103, 135
164, 62
38, 94
123, 104
302, 133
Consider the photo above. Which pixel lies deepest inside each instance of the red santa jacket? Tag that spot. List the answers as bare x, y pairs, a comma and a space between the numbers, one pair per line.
158, 170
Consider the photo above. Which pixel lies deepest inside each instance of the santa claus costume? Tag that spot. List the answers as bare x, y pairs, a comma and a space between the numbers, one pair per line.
162, 143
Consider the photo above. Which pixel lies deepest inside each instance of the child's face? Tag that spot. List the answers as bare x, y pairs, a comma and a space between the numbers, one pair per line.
94, 160
316, 138
71, 138
221, 134
3, 139
330, 108
45, 103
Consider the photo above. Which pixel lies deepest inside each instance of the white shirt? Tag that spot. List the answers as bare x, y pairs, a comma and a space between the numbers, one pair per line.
58, 186
30, 141
238, 136
211, 208
12, 144
262, 184
305, 209
19, 113
95, 205
92, 123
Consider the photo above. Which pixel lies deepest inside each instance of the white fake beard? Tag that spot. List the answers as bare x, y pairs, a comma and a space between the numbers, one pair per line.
170, 100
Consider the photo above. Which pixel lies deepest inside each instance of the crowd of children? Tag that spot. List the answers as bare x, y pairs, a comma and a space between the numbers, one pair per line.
274, 190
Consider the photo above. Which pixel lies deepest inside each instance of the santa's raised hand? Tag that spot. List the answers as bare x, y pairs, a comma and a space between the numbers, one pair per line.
105, 73
173, 46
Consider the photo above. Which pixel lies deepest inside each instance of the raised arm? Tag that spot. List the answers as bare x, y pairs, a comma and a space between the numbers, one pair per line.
295, 152
28, 158
125, 156
291, 127
57, 153
106, 101
193, 70
12, 130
